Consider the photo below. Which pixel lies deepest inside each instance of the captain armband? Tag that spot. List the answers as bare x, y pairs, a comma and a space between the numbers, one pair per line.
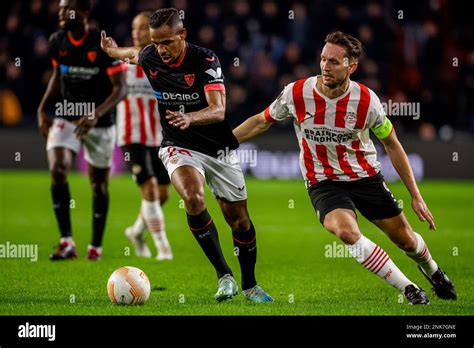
384, 129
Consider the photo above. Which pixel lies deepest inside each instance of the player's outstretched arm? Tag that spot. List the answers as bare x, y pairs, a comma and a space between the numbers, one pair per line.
44, 123
127, 54
213, 113
399, 159
252, 127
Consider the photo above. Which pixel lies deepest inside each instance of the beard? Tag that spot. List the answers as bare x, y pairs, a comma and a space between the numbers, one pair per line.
336, 83
331, 85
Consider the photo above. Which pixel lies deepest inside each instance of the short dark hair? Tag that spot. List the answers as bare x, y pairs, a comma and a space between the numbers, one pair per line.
352, 45
83, 5
165, 16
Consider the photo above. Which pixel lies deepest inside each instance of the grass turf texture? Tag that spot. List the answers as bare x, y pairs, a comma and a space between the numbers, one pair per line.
292, 254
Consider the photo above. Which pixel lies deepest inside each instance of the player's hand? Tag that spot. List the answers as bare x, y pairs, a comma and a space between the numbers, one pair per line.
84, 125
178, 119
422, 211
106, 42
44, 123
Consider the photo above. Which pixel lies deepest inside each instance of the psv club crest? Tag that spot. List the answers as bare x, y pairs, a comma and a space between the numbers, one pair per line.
92, 55
350, 120
189, 78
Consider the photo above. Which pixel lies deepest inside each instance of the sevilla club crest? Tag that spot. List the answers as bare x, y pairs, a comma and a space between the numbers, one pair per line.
189, 78
92, 55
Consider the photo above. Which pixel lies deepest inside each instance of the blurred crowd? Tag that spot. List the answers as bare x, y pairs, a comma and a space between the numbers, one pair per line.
415, 51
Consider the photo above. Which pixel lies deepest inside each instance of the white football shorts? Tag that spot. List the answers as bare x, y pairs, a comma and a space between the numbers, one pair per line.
98, 142
223, 174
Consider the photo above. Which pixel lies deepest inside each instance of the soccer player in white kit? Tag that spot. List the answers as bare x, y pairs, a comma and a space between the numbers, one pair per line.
139, 136
332, 116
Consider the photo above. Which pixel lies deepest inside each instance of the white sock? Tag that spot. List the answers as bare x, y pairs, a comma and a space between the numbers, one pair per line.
155, 221
422, 256
376, 260
139, 225
69, 240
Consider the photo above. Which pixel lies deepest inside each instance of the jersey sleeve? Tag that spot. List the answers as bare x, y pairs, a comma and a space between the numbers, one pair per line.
53, 50
378, 121
213, 77
143, 54
281, 107
112, 65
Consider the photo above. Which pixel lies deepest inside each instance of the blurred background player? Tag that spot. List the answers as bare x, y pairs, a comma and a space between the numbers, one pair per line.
139, 136
332, 116
82, 73
189, 86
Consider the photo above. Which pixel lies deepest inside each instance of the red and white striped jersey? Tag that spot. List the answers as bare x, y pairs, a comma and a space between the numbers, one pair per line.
138, 119
333, 134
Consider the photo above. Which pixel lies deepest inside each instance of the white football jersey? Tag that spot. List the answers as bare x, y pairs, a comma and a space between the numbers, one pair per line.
138, 119
333, 134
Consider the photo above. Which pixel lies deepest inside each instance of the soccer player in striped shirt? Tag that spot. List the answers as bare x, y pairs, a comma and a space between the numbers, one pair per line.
332, 116
139, 136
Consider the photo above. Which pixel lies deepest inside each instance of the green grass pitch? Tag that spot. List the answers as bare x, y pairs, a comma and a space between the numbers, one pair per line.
292, 254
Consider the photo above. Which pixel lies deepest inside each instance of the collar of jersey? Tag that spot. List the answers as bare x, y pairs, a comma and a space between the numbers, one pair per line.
77, 42
322, 95
183, 54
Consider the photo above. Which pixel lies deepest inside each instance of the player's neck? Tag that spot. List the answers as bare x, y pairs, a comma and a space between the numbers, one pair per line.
333, 92
79, 31
182, 53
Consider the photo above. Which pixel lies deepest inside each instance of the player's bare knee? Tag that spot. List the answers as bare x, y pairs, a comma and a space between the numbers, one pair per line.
99, 188
330, 224
58, 172
347, 235
194, 201
149, 190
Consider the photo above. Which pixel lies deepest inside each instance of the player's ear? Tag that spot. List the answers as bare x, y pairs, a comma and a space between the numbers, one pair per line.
183, 34
353, 67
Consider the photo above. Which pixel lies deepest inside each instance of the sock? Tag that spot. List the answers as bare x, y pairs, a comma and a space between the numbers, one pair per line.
376, 260
139, 225
68, 240
205, 232
61, 199
100, 206
155, 221
422, 256
246, 244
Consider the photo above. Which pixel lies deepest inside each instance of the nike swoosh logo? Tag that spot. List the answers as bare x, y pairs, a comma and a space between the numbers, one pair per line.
241, 188
211, 59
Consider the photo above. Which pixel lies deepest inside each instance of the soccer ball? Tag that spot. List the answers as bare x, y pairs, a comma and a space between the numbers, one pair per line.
128, 285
